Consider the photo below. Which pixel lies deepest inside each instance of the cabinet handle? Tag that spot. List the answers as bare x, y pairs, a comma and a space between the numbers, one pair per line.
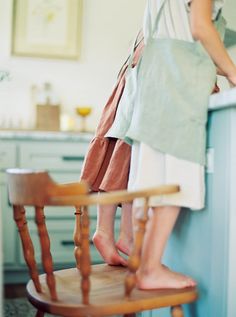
72, 243
73, 158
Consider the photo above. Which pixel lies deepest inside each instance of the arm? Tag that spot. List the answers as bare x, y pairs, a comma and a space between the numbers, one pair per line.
203, 30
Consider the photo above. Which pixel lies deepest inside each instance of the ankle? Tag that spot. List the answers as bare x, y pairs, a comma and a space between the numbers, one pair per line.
102, 232
148, 269
127, 238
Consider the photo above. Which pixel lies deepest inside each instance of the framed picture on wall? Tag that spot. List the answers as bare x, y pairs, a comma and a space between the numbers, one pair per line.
47, 28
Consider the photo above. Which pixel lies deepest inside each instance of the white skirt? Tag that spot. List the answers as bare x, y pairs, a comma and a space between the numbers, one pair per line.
150, 168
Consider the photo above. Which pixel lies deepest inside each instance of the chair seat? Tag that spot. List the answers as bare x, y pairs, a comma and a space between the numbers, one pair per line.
106, 294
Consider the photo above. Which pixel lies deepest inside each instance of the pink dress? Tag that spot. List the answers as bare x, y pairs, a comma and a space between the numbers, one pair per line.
106, 165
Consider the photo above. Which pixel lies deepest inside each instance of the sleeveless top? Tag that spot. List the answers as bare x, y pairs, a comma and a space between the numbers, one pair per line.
174, 22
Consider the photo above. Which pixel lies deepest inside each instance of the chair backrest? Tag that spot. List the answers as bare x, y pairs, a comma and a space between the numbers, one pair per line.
36, 188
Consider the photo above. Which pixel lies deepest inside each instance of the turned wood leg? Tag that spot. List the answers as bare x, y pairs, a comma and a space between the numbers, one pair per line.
77, 236
28, 248
177, 311
85, 262
46, 254
39, 313
135, 257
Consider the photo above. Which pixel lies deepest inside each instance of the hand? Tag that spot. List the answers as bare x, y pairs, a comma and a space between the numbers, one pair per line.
216, 89
232, 80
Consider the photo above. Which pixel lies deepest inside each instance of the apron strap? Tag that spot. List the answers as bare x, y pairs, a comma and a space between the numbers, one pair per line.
151, 30
130, 58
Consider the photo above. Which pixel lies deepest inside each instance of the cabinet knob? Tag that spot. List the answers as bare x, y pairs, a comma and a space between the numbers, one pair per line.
72, 243
73, 158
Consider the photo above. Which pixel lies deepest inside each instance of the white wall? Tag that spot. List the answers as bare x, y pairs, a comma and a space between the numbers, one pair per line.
109, 27
108, 30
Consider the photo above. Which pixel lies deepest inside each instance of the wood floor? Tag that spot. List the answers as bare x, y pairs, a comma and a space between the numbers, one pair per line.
14, 290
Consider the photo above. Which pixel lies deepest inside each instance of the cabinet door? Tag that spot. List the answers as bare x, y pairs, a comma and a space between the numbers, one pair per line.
62, 212
7, 160
62, 243
8, 227
52, 156
7, 155
61, 236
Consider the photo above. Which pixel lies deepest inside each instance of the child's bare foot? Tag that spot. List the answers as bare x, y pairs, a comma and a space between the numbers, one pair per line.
124, 245
106, 247
164, 278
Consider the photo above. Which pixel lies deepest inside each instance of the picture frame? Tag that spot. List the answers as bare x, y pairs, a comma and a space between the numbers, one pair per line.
47, 28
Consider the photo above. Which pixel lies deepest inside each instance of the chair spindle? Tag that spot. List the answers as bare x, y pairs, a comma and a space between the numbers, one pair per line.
46, 254
77, 236
135, 257
85, 266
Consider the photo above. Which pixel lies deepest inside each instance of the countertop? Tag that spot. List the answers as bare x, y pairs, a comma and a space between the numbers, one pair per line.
224, 99
45, 135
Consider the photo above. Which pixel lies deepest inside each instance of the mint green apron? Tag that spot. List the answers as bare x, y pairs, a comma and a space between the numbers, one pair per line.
174, 81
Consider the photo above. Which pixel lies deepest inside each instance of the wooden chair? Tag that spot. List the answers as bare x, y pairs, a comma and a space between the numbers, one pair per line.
85, 290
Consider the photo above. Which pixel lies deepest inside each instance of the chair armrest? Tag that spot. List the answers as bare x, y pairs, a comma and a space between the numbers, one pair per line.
113, 197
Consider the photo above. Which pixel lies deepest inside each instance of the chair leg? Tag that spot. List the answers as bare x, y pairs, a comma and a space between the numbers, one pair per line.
177, 311
39, 313
135, 257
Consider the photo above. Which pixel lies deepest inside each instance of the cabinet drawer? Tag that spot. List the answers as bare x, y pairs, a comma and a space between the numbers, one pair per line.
62, 244
52, 156
7, 155
65, 177
61, 212
58, 212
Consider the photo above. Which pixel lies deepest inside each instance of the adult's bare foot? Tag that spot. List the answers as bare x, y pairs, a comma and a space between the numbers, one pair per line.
107, 249
163, 278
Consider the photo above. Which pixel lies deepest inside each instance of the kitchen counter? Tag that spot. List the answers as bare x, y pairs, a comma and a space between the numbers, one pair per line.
45, 135
224, 99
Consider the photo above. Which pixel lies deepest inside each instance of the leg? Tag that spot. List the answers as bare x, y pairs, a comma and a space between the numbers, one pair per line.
125, 240
39, 313
152, 274
177, 311
103, 238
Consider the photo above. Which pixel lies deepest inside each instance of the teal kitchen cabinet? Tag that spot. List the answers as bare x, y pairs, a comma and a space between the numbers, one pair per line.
7, 158
62, 155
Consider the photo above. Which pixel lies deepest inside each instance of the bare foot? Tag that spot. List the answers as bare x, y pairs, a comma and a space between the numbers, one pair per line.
106, 247
164, 278
124, 245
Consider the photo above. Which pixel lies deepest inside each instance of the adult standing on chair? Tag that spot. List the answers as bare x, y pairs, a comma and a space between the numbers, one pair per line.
168, 128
